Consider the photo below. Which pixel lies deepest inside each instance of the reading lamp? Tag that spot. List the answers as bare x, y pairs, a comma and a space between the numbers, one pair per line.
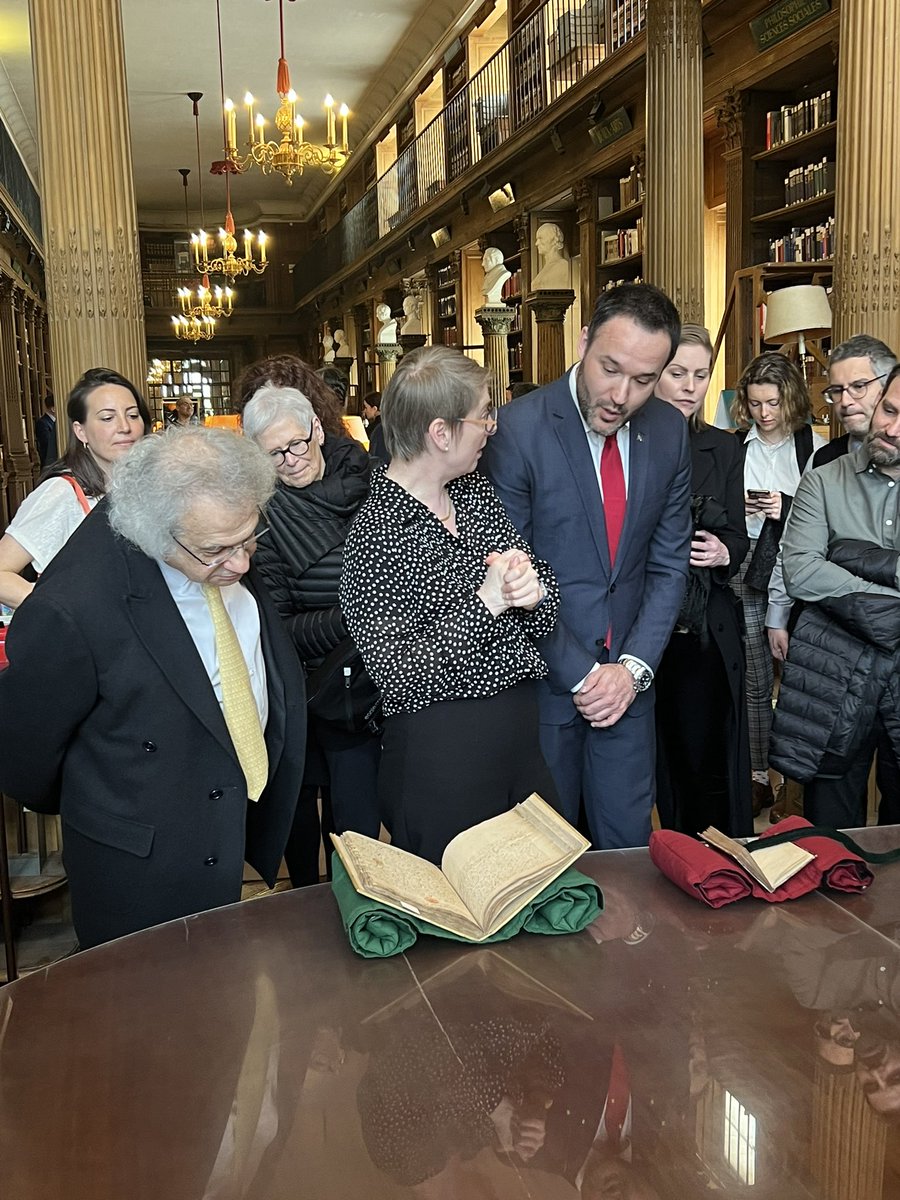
794, 314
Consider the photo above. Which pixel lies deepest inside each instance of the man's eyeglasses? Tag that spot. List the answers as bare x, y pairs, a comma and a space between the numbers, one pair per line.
855, 390
228, 552
488, 422
298, 448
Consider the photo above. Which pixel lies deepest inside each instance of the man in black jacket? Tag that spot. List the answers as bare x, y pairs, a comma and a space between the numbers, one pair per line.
153, 697
840, 555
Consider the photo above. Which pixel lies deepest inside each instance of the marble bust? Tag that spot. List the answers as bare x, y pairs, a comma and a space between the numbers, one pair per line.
556, 267
387, 333
327, 348
495, 275
412, 314
342, 350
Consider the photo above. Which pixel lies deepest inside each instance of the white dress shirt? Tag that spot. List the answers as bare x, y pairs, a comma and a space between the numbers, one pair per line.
769, 468
240, 605
596, 441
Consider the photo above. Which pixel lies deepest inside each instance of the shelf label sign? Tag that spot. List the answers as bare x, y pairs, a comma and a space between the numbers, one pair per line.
785, 18
611, 128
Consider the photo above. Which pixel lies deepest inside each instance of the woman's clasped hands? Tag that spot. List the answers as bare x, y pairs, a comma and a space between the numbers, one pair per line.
511, 582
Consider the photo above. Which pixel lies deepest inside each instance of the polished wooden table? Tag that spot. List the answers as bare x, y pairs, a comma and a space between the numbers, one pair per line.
670, 1052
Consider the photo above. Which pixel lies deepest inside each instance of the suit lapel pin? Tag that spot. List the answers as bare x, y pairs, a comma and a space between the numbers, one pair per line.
640, 437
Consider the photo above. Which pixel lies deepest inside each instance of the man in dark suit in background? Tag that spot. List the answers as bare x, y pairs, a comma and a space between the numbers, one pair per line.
595, 473
45, 432
152, 697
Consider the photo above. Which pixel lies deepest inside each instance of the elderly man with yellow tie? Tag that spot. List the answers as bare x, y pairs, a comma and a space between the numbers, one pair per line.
153, 698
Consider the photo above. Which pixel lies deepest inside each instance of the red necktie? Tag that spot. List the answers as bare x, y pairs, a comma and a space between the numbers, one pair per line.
612, 478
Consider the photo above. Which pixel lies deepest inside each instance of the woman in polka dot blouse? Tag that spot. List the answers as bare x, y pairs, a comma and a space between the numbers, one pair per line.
445, 601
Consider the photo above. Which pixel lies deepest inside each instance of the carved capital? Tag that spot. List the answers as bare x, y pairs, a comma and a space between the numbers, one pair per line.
730, 119
585, 193
412, 341
550, 305
387, 352
496, 320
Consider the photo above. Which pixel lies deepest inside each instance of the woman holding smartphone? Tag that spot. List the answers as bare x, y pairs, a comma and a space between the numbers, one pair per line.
772, 412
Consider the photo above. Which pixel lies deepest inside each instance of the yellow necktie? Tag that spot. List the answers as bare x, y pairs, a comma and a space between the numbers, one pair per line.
238, 703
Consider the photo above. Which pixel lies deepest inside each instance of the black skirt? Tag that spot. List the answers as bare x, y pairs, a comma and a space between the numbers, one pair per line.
458, 762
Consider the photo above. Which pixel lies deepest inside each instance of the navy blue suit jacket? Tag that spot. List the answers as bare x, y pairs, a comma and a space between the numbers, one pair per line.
541, 465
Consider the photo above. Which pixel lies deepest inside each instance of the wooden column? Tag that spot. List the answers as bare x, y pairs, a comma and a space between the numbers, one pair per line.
867, 216
673, 205
18, 462
549, 310
496, 321
87, 197
585, 193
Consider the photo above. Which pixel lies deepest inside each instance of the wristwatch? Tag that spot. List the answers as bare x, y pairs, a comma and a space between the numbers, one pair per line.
641, 676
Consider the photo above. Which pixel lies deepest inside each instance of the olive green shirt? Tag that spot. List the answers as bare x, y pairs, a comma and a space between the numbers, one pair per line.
847, 498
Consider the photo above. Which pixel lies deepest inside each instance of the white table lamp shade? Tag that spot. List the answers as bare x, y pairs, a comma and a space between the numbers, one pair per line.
796, 313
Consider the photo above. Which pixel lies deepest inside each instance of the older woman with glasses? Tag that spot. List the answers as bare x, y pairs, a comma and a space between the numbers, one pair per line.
322, 482
445, 600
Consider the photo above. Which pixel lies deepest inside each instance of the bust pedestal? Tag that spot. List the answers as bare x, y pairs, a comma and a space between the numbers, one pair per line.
388, 353
496, 320
550, 308
412, 341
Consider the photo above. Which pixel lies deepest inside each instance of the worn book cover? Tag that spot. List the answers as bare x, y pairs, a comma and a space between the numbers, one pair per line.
487, 874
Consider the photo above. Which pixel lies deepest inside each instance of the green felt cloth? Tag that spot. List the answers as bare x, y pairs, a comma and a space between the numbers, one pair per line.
566, 905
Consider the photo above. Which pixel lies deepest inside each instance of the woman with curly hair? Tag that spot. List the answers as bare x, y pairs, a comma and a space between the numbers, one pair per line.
289, 371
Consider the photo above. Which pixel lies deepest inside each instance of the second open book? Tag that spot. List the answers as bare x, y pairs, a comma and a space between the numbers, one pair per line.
487, 874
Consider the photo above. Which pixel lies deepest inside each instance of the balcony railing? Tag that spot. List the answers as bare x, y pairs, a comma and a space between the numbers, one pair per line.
547, 55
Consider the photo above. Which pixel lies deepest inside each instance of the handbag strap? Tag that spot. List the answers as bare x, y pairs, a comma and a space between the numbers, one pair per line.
76, 486
833, 835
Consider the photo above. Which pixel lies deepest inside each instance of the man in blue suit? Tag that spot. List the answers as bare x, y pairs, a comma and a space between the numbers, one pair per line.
595, 473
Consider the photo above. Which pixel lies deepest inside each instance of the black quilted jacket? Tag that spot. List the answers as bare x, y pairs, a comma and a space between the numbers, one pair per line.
841, 671
301, 558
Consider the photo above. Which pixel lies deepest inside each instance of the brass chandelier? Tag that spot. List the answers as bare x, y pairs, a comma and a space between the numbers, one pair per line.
227, 262
206, 302
293, 153
194, 329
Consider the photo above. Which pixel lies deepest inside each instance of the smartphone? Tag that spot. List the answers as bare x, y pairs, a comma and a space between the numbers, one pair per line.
758, 494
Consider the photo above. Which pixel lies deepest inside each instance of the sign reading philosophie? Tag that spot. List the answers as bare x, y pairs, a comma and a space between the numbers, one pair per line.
785, 18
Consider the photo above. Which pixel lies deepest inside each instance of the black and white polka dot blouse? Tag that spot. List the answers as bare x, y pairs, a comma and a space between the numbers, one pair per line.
408, 597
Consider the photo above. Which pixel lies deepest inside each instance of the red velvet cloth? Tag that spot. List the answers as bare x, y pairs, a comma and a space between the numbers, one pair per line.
716, 880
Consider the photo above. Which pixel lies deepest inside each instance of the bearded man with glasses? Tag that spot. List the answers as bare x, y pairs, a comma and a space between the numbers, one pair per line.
839, 697
857, 370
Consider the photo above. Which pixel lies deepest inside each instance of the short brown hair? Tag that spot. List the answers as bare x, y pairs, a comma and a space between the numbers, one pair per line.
287, 370
429, 384
774, 368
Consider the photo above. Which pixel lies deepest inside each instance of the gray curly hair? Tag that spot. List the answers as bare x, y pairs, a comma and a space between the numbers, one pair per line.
271, 404
162, 477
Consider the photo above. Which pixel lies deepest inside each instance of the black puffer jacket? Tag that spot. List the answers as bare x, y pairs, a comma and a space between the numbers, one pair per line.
301, 558
841, 672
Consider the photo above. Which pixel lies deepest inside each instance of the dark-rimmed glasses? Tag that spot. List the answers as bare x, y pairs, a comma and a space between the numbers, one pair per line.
231, 551
855, 390
297, 448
